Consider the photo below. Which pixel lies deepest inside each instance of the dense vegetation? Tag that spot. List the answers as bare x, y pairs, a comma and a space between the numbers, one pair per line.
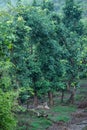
41, 53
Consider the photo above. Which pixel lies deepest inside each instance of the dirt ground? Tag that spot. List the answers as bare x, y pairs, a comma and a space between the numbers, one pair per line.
78, 122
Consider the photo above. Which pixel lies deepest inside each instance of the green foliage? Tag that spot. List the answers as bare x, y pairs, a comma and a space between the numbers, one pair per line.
7, 120
48, 4
72, 16
71, 32
5, 81
34, 3
83, 57
6, 117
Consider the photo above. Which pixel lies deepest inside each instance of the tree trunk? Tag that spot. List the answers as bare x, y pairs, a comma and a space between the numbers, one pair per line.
50, 96
72, 92
35, 99
71, 99
27, 104
62, 96
68, 86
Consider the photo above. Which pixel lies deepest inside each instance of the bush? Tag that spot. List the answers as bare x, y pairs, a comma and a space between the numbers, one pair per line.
7, 121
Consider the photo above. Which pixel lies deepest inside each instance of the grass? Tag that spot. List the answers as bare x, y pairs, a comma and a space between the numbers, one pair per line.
32, 123
62, 113
41, 124
55, 114
63, 109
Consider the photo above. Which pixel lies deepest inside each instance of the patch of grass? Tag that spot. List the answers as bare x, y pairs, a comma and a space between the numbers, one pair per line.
63, 109
64, 118
56, 113
32, 122
41, 124
61, 113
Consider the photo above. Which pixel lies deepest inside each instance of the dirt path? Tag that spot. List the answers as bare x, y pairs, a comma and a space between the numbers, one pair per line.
78, 122
79, 126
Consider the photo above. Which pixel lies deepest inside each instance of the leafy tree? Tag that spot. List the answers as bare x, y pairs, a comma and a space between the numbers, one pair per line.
71, 41
25, 57
19, 52
43, 46
60, 62
72, 17
50, 57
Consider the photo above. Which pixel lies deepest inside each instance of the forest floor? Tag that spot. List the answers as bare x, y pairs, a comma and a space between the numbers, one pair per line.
78, 117
60, 116
77, 122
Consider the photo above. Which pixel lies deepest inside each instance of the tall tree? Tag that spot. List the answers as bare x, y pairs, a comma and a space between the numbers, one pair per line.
25, 55
73, 29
